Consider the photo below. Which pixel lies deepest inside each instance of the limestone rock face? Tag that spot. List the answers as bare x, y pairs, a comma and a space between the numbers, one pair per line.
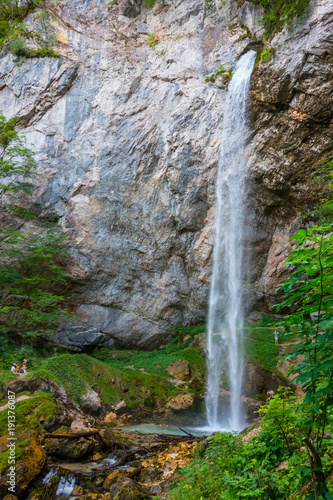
180, 369
127, 140
180, 402
77, 337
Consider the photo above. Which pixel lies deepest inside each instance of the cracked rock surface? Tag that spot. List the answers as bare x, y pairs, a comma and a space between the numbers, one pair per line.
127, 140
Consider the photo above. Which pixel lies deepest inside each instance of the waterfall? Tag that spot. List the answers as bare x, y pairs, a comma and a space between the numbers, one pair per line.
226, 316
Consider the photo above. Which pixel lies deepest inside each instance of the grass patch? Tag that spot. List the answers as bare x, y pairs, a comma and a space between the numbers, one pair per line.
78, 373
29, 412
156, 362
5, 377
260, 347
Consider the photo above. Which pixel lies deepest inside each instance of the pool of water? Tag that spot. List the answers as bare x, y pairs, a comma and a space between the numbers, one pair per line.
151, 428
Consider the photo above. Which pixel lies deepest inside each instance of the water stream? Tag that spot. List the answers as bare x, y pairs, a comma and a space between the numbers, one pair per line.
225, 318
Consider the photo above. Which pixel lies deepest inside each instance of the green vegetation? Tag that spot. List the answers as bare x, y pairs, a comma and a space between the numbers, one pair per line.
19, 451
156, 362
210, 5
30, 413
233, 468
18, 38
265, 55
152, 40
219, 70
78, 373
279, 13
291, 457
31, 268
308, 298
260, 348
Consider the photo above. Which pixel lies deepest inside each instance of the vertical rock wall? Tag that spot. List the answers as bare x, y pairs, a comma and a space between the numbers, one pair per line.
127, 140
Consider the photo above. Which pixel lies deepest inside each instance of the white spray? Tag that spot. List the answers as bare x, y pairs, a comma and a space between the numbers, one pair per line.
226, 316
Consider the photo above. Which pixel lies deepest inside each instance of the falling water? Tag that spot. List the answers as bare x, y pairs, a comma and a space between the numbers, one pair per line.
225, 319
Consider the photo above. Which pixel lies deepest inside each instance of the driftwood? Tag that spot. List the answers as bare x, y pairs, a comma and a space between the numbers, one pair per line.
164, 441
72, 436
158, 442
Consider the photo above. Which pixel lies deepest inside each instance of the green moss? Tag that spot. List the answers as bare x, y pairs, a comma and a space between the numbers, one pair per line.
5, 377
29, 412
19, 451
265, 55
219, 70
78, 373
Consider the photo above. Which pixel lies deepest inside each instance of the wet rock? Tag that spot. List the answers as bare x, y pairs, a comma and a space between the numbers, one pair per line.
112, 478
127, 489
257, 380
180, 402
180, 369
77, 491
151, 475
30, 459
91, 403
71, 448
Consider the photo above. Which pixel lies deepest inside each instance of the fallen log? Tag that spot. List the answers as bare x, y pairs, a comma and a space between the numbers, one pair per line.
72, 435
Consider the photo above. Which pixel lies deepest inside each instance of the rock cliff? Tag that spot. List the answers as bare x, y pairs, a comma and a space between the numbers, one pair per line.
127, 130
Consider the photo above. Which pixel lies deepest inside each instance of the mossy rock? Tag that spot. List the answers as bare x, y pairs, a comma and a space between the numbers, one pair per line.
29, 460
127, 489
37, 413
70, 448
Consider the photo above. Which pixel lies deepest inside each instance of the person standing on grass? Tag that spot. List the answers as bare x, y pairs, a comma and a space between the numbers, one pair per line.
276, 336
24, 366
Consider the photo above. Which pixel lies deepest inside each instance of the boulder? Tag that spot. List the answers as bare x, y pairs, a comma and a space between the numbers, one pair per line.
77, 337
91, 403
111, 418
77, 491
127, 489
180, 402
180, 369
70, 448
30, 459
80, 425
